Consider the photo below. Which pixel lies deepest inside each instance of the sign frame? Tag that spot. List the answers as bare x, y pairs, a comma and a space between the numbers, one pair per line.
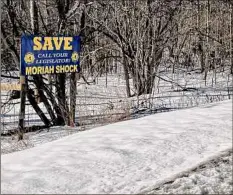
49, 54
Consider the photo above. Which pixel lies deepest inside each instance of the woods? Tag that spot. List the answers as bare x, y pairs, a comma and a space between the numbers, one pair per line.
116, 96
136, 36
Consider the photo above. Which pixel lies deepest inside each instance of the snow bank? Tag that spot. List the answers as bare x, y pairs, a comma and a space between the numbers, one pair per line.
213, 177
125, 157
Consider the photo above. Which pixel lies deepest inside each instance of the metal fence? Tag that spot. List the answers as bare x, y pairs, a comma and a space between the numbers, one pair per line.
101, 104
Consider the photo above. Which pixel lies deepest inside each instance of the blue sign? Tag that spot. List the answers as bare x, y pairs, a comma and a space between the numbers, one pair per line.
49, 55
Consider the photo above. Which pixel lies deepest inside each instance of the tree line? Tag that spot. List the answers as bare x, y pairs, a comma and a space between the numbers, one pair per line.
132, 34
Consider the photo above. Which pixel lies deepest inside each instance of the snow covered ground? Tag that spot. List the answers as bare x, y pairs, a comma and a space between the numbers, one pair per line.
97, 102
126, 157
31, 139
213, 177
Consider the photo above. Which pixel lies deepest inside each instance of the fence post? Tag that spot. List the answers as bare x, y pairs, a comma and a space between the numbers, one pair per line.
22, 107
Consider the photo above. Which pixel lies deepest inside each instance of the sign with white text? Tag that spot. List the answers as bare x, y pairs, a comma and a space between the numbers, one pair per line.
49, 55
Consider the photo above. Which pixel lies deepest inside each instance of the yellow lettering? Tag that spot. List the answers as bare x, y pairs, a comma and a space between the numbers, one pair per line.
28, 70
57, 69
40, 70
51, 43
67, 68
46, 70
71, 68
62, 68
37, 45
34, 70
49, 70
67, 45
58, 42
75, 68
43, 70
47, 44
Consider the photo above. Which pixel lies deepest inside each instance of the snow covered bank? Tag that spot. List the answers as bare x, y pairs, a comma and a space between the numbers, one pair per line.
213, 177
125, 157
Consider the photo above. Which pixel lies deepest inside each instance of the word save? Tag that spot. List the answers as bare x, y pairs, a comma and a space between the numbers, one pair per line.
52, 43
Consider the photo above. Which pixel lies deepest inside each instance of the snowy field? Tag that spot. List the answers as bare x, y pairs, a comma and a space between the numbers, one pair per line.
212, 177
126, 157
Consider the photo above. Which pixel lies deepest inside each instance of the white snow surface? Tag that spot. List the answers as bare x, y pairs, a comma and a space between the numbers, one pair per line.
125, 157
213, 177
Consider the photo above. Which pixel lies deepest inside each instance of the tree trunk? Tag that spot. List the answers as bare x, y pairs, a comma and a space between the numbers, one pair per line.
126, 73
59, 119
200, 40
38, 79
34, 104
39, 84
73, 91
61, 96
231, 38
